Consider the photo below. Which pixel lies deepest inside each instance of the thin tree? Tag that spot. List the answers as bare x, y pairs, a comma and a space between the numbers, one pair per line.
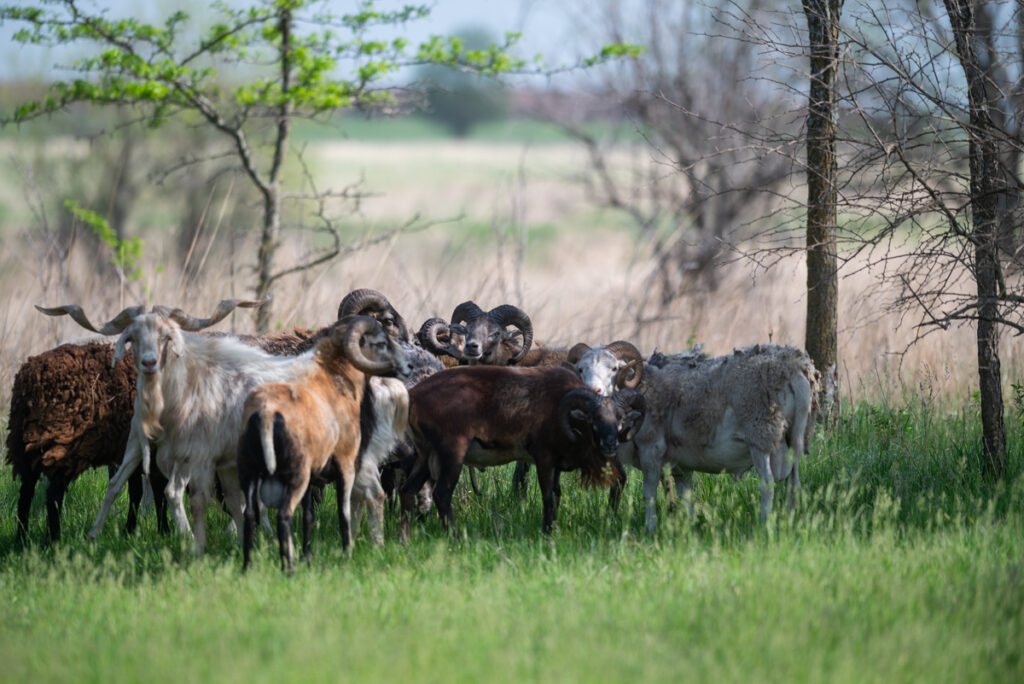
822, 333
986, 189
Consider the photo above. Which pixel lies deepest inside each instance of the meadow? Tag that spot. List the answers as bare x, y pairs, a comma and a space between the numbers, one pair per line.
900, 563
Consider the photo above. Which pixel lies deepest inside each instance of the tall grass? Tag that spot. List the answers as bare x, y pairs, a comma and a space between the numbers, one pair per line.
900, 564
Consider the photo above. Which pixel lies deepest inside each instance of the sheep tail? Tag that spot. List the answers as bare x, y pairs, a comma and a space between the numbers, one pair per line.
267, 440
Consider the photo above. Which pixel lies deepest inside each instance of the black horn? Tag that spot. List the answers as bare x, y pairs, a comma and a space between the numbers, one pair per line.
429, 335
369, 302
580, 399
465, 312
506, 314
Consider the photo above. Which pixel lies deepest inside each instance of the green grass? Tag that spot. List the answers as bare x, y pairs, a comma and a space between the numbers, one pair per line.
900, 564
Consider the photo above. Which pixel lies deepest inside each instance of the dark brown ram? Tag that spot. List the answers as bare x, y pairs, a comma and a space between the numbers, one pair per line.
491, 415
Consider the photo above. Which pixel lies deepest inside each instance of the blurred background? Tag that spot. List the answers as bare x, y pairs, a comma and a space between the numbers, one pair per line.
656, 199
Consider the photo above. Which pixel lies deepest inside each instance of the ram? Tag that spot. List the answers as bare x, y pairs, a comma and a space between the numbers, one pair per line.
730, 414
313, 426
475, 336
491, 415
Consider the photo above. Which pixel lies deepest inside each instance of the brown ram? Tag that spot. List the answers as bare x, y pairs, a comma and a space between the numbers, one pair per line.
297, 430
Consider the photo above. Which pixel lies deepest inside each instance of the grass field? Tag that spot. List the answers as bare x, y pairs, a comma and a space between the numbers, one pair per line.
900, 563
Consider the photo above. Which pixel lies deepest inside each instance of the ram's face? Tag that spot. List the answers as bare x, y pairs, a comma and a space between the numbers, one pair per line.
597, 368
606, 420
483, 336
387, 320
379, 346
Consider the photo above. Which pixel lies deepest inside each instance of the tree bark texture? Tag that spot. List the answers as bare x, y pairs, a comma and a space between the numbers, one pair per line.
271, 235
985, 191
822, 337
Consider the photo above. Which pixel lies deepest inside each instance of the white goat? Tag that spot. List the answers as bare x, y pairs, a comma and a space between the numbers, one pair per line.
190, 392
726, 414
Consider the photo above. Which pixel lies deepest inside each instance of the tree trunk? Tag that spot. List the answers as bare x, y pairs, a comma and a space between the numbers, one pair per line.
271, 236
986, 186
822, 338
268, 248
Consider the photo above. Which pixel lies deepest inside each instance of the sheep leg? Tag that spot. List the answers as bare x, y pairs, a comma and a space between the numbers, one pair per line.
652, 478
408, 496
519, 477
285, 547
249, 525
793, 486
444, 489
158, 483
358, 503
285, 543
547, 478
198, 499
375, 501
307, 527
175, 491
134, 499
348, 477
234, 499
132, 458
763, 465
54, 503
684, 488
25, 496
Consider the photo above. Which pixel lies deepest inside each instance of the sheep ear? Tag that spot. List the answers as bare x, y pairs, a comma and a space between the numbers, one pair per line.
578, 417
119, 348
172, 346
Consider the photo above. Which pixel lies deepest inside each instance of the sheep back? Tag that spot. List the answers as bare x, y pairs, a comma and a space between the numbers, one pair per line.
62, 426
751, 381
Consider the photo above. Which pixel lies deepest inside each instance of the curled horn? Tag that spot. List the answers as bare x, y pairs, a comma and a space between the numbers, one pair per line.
581, 398
633, 371
466, 311
114, 326
356, 327
192, 324
576, 353
366, 301
428, 334
634, 405
358, 301
506, 314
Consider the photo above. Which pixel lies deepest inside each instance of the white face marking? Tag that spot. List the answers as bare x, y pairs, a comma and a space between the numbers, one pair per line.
597, 368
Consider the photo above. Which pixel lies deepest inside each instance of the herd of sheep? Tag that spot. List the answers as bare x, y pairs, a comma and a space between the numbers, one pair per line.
268, 421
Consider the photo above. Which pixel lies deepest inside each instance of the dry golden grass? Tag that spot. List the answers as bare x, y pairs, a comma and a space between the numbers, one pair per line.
578, 283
